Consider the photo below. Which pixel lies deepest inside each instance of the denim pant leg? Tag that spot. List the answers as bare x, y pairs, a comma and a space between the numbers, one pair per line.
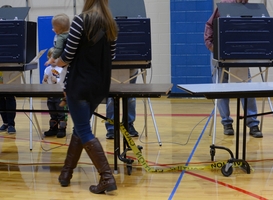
109, 113
11, 105
222, 104
131, 109
251, 109
8, 103
3, 107
81, 112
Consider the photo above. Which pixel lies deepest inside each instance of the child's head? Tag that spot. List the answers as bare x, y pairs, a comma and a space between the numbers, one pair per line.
50, 52
60, 23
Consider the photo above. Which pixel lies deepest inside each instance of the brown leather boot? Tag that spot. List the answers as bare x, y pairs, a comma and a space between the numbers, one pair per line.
107, 181
72, 157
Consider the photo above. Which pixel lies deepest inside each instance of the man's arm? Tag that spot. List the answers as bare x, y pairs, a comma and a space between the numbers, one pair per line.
208, 33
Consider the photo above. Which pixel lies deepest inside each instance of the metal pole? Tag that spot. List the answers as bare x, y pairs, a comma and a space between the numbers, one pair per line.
74, 7
27, 6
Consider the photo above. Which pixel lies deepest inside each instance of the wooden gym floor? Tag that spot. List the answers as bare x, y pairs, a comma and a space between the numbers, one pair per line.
184, 129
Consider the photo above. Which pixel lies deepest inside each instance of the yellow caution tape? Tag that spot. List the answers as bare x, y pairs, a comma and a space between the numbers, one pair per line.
142, 161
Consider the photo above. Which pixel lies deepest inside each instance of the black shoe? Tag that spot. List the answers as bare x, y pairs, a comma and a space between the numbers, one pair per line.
110, 134
132, 131
3, 128
255, 132
53, 128
11, 130
61, 133
51, 132
228, 129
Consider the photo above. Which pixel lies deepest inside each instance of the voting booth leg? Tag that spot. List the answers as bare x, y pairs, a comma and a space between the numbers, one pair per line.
30, 116
143, 72
155, 124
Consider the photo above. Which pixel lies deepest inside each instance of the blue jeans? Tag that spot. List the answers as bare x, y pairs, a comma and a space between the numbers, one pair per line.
223, 104
81, 112
8, 103
131, 109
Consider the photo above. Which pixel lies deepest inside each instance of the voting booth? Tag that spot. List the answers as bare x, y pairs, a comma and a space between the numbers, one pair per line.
18, 37
243, 32
17, 44
134, 39
133, 50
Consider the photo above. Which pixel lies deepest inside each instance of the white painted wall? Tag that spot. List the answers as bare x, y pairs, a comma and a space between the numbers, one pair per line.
157, 10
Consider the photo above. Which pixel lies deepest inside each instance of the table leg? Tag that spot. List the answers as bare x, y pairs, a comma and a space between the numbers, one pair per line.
244, 129
125, 121
237, 129
227, 169
116, 134
117, 154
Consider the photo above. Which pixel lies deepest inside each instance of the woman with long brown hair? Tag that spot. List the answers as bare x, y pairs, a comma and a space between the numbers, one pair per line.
89, 51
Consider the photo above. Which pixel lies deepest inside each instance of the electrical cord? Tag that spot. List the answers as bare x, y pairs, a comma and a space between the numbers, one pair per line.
41, 140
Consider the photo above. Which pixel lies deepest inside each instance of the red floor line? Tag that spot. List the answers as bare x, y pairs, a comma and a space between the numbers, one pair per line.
227, 185
215, 181
111, 153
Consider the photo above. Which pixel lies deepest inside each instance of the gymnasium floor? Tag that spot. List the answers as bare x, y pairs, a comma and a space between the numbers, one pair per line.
184, 129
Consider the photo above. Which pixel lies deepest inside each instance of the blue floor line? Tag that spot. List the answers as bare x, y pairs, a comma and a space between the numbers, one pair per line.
190, 157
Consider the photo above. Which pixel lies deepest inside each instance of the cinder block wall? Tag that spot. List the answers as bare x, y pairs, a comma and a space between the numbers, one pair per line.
189, 56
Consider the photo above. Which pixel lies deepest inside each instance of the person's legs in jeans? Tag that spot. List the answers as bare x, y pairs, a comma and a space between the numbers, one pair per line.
4, 127
11, 105
8, 103
131, 114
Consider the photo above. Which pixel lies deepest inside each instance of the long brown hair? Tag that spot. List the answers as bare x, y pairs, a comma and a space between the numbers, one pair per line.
97, 16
